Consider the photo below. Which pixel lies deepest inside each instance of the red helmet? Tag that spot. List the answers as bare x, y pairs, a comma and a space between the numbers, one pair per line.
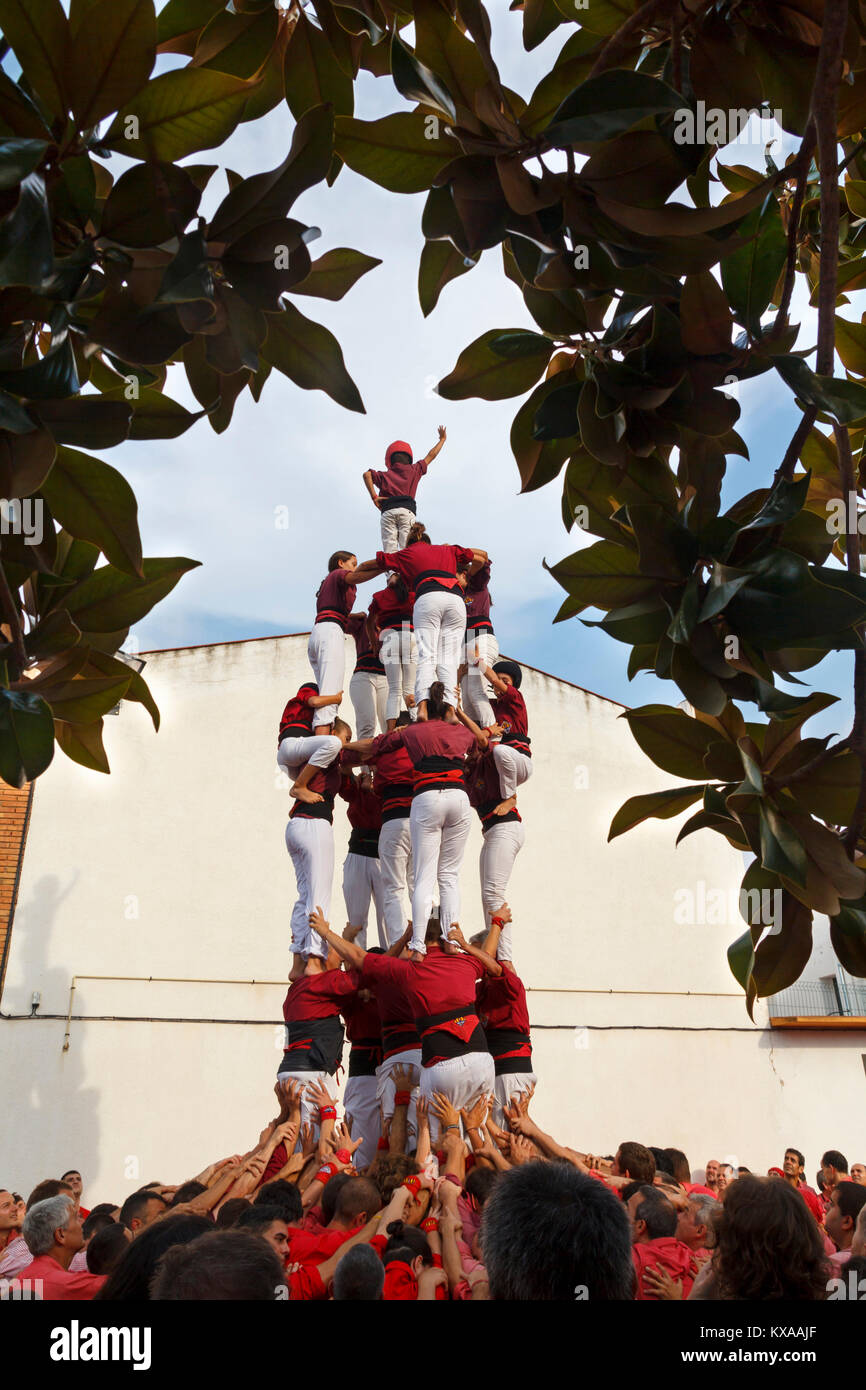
398, 447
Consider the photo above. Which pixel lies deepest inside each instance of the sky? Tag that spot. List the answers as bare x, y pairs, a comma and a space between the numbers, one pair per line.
222, 499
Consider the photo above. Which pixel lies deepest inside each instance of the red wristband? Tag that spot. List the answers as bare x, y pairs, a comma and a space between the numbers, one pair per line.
413, 1183
382, 1144
325, 1173
497, 922
327, 1112
343, 1156
429, 1224
402, 1097
437, 1262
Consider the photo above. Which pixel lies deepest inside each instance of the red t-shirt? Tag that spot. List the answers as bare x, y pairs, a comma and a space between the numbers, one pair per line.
393, 764
335, 599
437, 984
477, 597
387, 610
396, 1014
314, 1247
325, 781
363, 804
318, 996
502, 1001
431, 738
669, 1253
400, 479
297, 717
510, 711
426, 567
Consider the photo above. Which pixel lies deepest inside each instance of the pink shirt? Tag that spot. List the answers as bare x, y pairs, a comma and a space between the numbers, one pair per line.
15, 1257
59, 1284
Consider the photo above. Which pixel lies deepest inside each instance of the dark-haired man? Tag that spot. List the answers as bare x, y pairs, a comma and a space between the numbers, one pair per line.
846, 1202
140, 1209
654, 1225
269, 1223
794, 1173
834, 1169
552, 1234
73, 1178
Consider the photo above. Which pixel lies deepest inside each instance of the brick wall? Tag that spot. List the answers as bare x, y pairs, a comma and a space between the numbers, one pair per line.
14, 819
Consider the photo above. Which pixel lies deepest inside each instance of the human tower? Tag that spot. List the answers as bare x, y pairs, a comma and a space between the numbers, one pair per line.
441, 729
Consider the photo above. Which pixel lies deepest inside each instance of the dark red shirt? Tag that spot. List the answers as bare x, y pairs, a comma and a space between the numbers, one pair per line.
297, 717
395, 778
335, 599
477, 597
387, 610
318, 996
510, 712
363, 805
325, 781
399, 479
437, 750
396, 1014
502, 1001
440, 983
425, 568
367, 658
482, 784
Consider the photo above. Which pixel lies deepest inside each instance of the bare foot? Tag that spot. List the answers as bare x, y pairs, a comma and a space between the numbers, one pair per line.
505, 806
304, 794
297, 969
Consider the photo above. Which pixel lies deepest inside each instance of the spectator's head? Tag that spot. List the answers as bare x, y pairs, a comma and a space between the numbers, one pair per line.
129, 1280
549, 1230
269, 1223
479, 1184
858, 1244
834, 1167
677, 1165
230, 1211
742, 1170
652, 1216
49, 1187
187, 1191
695, 1224
359, 1277
141, 1208
408, 1246
712, 1174
793, 1165
106, 1247
328, 1200
858, 1173
106, 1209
357, 1201
96, 1221
634, 1161
284, 1195
72, 1178
767, 1244
846, 1202
10, 1215
391, 1171
222, 1265
53, 1227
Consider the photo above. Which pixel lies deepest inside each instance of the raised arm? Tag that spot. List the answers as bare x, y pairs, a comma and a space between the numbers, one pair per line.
482, 738
443, 434
346, 950
319, 701
479, 558
502, 918
491, 965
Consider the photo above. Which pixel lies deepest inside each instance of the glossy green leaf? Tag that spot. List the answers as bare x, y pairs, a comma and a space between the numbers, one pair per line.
179, 113
95, 503
109, 599
654, 805
26, 736
499, 364
402, 153
111, 54
38, 32
674, 741
309, 355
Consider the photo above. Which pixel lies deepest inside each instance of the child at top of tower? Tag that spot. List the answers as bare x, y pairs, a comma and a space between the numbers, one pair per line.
397, 487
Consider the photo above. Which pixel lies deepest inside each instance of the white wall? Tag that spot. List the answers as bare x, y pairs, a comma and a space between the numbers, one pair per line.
175, 865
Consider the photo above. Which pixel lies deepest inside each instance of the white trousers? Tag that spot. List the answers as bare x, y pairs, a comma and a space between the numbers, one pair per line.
311, 845
514, 769
395, 528
395, 859
309, 1108
515, 1083
474, 688
363, 1116
439, 824
318, 749
439, 619
362, 881
501, 846
386, 1088
369, 695
397, 653
326, 652
461, 1079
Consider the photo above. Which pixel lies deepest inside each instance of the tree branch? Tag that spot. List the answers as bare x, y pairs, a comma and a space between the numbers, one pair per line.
12, 617
620, 43
804, 158
792, 453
